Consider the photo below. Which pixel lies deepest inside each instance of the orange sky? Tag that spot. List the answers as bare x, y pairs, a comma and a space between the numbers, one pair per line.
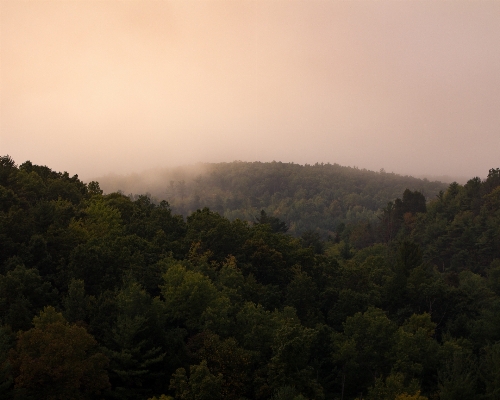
94, 87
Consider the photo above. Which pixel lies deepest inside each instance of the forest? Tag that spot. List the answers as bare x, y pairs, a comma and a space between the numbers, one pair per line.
110, 296
316, 197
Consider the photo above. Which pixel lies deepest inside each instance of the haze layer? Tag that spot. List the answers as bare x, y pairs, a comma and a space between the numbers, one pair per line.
101, 86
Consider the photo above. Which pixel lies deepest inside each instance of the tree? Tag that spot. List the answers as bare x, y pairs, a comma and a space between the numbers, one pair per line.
215, 233
8, 170
415, 352
187, 295
363, 350
76, 303
491, 370
302, 294
287, 393
7, 338
255, 327
289, 364
277, 226
22, 294
94, 188
395, 388
313, 240
226, 358
458, 376
200, 385
413, 202
57, 361
136, 359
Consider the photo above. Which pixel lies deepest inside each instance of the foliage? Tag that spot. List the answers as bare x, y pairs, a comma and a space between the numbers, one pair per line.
299, 282
296, 197
55, 360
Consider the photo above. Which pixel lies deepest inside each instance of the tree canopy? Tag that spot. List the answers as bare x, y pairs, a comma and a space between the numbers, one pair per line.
106, 296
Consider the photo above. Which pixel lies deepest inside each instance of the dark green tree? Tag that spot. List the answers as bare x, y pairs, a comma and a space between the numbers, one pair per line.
277, 226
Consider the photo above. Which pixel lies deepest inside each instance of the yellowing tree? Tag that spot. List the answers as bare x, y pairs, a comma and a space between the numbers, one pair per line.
57, 361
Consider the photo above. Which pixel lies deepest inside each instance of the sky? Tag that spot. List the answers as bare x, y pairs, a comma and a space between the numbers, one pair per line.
98, 87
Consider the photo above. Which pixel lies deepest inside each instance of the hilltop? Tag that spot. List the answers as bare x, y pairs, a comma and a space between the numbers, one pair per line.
307, 197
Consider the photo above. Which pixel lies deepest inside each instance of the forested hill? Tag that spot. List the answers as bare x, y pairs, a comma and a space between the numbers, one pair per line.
306, 197
104, 296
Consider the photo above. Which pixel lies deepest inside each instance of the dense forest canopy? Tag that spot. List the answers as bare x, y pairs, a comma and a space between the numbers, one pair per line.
106, 296
315, 197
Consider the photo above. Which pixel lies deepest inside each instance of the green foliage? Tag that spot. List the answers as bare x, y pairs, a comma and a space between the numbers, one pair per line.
274, 223
101, 220
490, 370
227, 359
187, 295
287, 393
394, 387
458, 376
8, 170
291, 352
302, 197
7, 340
255, 328
363, 350
22, 293
162, 397
215, 233
55, 360
302, 294
200, 385
493, 273
415, 352
76, 303
397, 303
135, 358
94, 188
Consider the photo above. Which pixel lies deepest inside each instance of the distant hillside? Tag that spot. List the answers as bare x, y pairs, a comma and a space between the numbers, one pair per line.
307, 197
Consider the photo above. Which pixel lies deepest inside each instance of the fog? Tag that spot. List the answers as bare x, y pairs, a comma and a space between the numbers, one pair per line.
99, 87
156, 182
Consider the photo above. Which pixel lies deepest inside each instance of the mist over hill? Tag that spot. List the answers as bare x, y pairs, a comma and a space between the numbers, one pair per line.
307, 197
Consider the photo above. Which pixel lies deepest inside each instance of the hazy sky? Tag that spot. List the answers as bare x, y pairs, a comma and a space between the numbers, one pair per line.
93, 87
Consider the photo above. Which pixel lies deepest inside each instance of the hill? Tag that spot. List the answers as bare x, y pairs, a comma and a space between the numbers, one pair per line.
316, 197
104, 296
